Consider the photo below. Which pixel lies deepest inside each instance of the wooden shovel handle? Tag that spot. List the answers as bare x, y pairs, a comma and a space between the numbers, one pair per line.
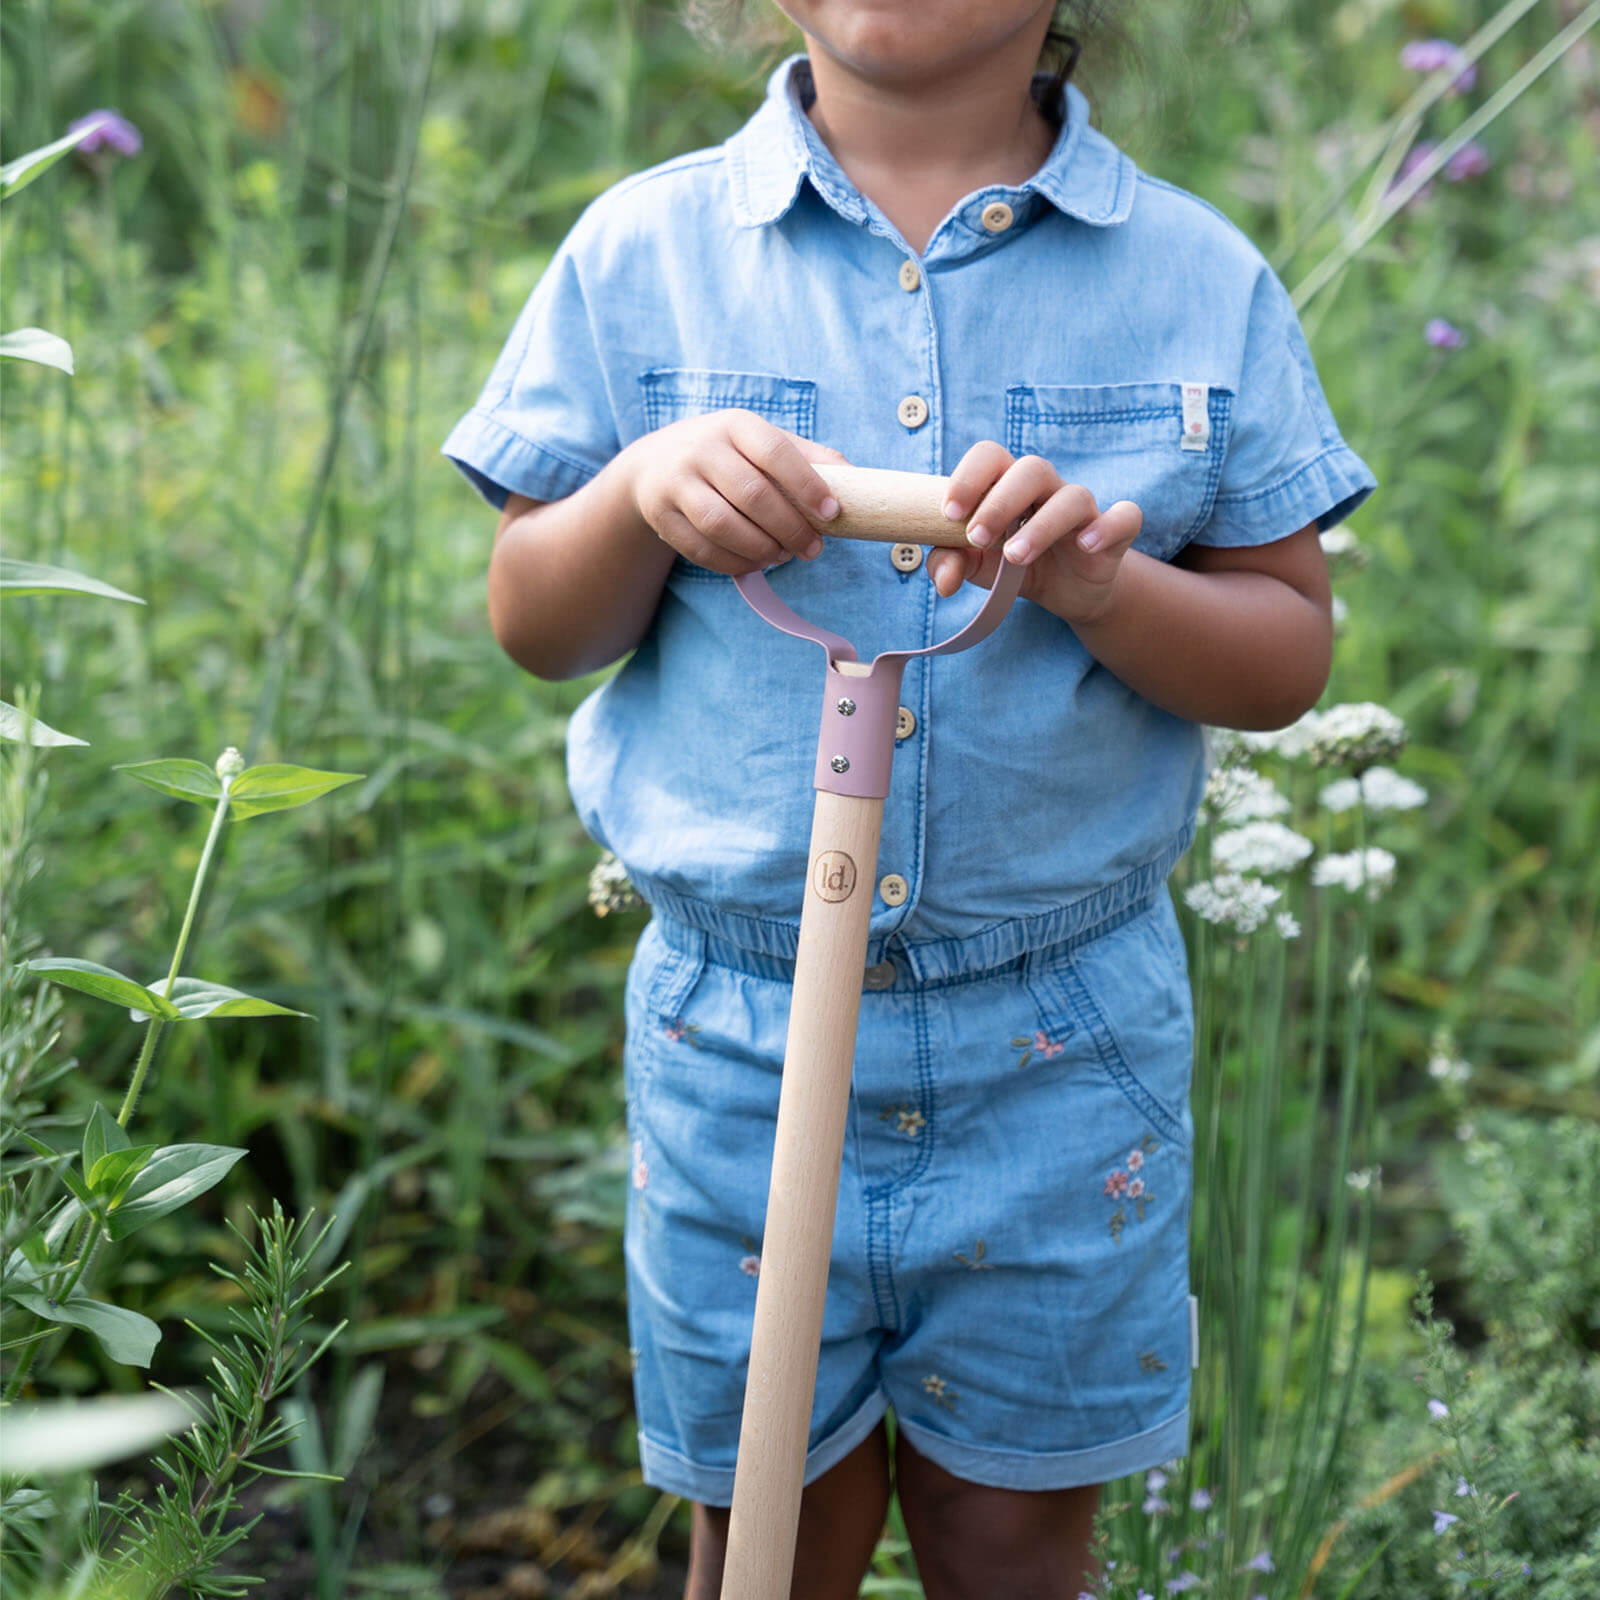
894, 507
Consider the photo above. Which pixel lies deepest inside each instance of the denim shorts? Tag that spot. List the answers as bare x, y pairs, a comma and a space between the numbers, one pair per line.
1010, 1261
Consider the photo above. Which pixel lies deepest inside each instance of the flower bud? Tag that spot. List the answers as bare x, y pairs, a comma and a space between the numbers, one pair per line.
230, 763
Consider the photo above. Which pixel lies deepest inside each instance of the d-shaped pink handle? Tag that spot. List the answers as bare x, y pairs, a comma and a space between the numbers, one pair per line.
855, 747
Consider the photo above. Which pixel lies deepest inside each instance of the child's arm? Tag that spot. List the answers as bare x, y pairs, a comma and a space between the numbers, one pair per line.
1238, 637
574, 583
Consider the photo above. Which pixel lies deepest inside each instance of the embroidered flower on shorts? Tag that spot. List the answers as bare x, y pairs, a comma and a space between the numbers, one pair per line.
976, 1259
677, 1030
750, 1265
1122, 1188
938, 1389
908, 1119
1040, 1044
641, 1168
1150, 1361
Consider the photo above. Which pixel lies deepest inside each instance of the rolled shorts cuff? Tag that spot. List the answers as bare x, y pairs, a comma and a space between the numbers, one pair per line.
664, 1468
1054, 1469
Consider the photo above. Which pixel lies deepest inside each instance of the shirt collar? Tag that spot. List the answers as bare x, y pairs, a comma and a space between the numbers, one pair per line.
1085, 175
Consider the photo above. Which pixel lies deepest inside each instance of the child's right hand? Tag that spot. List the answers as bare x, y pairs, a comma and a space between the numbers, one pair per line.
724, 490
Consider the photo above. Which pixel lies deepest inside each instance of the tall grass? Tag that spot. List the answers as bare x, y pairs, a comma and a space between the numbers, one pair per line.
298, 285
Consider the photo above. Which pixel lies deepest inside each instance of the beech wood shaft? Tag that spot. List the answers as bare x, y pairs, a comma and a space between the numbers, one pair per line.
803, 1196
895, 507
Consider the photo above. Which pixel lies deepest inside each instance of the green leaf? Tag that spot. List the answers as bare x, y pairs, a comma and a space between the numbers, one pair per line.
103, 983
171, 1178
187, 780
110, 1176
277, 787
102, 1132
124, 1335
33, 577
20, 173
195, 998
35, 344
39, 733
75, 1436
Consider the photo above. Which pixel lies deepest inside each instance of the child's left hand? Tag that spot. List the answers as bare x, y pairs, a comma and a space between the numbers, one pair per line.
1070, 549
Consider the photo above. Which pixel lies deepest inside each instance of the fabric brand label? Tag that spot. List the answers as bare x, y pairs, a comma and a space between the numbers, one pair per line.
1196, 416
1194, 1332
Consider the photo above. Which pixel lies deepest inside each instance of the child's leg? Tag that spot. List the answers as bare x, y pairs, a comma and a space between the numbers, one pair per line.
841, 1517
973, 1542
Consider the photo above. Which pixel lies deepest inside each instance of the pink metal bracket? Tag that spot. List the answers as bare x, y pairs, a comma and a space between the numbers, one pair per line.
855, 747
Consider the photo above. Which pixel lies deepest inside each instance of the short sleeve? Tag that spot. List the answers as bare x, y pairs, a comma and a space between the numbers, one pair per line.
544, 424
1285, 464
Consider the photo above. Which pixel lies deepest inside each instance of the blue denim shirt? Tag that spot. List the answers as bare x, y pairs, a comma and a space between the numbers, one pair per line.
1093, 315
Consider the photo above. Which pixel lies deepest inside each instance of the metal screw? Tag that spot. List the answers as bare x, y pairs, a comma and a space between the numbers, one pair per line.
847, 708
840, 763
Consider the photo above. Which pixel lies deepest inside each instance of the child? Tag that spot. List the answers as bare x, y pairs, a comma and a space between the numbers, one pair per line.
917, 254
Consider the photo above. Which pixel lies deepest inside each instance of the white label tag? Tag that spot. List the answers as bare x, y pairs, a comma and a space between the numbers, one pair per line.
1194, 1331
1196, 416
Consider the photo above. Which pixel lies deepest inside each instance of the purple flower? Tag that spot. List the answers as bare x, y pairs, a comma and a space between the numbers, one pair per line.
1154, 1506
1155, 1479
113, 130
1442, 335
1414, 157
1437, 1408
1200, 1500
1462, 1487
1184, 1580
1434, 55
1470, 161
1260, 1563
1442, 1520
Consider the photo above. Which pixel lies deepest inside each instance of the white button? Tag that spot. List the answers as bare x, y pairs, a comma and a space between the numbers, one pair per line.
880, 976
913, 411
905, 723
997, 216
909, 276
907, 557
893, 888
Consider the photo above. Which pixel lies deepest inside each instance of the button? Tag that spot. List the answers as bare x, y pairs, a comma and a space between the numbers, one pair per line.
905, 724
997, 216
910, 278
913, 411
893, 888
880, 976
907, 557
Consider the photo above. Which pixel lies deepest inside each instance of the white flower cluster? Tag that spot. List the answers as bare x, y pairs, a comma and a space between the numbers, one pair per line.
1261, 847
1373, 867
1344, 551
1287, 927
1378, 789
1241, 794
1355, 735
610, 888
1232, 901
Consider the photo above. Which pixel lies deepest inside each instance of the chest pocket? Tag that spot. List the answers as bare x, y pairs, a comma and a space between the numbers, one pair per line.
1125, 441
672, 393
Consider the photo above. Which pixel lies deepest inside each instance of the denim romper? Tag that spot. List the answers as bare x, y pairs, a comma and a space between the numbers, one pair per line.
1010, 1263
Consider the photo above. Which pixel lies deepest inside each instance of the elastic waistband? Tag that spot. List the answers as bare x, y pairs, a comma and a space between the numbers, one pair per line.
997, 947
896, 970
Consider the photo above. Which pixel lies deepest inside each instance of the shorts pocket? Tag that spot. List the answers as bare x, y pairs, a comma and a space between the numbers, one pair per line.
672, 393
668, 990
1125, 995
1125, 441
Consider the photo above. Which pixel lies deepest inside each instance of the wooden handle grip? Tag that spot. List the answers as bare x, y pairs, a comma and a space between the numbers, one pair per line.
894, 507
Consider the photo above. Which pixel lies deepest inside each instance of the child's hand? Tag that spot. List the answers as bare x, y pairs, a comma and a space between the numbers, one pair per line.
724, 490
1072, 551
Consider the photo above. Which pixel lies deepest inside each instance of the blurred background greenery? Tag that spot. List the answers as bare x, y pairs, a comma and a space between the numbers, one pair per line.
280, 305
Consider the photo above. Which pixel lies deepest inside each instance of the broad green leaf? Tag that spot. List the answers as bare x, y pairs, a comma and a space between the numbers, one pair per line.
75, 1436
124, 1335
277, 787
101, 1133
103, 984
20, 173
187, 780
171, 1178
33, 577
199, 997
110, 1176
39, 733
35, 344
